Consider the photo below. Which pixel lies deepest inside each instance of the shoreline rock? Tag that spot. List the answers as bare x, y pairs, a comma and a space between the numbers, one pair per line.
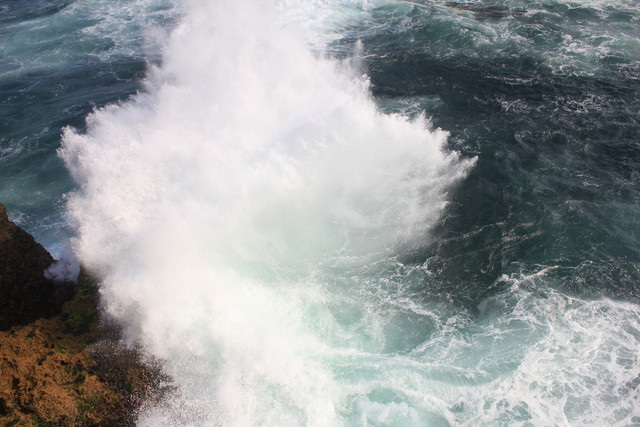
25, 293
60, 364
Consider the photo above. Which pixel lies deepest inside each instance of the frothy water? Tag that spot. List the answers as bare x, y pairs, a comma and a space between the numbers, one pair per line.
213, 205
250, 217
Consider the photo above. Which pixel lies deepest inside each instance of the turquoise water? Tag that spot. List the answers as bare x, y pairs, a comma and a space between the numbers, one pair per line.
344, 212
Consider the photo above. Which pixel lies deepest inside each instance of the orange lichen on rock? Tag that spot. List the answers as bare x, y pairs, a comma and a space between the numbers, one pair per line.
70, 371
48, 377
59, 366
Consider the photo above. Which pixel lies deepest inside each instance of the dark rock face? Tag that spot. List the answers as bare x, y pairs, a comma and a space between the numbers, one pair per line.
25, 294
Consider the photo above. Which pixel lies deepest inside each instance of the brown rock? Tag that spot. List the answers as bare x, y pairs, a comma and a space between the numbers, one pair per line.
50, 373
49, 386
73, 370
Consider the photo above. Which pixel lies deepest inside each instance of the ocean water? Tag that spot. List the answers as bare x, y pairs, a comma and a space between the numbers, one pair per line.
344, 213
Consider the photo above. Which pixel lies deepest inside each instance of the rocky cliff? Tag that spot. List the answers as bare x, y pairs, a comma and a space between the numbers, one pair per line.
25, 293
59, 364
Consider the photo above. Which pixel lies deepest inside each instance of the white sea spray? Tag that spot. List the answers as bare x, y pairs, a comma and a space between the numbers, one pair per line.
247, 215
209, 205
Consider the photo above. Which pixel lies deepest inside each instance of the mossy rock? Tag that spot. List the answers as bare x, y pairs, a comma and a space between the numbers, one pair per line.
72, 370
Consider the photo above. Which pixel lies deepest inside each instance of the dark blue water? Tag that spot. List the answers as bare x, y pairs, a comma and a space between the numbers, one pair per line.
58, 61
518, 305
545, 95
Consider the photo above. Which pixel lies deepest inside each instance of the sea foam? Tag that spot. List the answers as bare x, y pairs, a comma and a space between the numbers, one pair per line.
224, 207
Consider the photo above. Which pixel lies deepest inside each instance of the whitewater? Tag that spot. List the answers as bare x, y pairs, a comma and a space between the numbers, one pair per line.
346, 213
227, 208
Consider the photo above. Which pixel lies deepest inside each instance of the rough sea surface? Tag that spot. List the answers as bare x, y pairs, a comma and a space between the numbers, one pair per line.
344, 213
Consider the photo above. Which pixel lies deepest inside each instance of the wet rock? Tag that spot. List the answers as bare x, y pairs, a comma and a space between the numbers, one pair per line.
25, 293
